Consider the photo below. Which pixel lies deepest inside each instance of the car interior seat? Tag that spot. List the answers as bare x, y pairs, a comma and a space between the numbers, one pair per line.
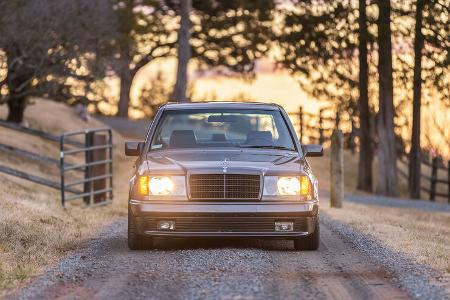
182, 139
259, 138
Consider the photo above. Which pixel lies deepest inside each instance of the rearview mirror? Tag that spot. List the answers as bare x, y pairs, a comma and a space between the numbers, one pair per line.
222, 119
133, 148
312, 150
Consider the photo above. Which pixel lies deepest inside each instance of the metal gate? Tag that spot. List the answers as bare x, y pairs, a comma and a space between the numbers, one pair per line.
95, 186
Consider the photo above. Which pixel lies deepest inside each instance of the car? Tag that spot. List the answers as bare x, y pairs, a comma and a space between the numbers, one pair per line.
222, 169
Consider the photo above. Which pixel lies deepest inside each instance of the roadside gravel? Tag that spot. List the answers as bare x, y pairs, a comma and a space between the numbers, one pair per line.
420, 281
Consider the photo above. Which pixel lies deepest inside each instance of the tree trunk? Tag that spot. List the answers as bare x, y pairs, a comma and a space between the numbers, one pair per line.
414, 154
365, 149
16, 109
126, 79
387, 182
18, 80
184, 52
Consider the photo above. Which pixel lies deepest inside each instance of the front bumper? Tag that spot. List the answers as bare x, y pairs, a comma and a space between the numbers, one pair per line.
224, 219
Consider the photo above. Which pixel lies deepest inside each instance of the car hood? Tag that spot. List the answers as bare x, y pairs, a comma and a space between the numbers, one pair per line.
245, 161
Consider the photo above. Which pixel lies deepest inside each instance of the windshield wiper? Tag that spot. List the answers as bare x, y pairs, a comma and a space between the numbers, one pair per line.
267, 147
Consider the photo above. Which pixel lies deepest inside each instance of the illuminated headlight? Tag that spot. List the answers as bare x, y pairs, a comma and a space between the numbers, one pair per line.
161, 185
288, 186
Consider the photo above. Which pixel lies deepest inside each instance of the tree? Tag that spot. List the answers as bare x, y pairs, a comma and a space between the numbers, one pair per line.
153, 95
365, 152
387, 182
318, 42
414, 154
218, 31
322, 42
46, 54
145, 34
184, 51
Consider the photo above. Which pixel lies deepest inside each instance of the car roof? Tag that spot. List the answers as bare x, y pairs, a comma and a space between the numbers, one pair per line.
221, 105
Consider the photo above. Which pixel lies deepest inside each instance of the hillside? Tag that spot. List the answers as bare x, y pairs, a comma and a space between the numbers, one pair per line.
34, 228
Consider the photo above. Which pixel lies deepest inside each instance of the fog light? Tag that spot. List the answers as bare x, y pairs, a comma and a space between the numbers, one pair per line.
166, 225
284, 226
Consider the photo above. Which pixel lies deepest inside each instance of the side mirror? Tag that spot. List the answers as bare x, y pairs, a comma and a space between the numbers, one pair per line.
312, 150
133, 148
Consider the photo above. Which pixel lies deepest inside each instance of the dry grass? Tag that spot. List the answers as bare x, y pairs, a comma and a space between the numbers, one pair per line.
422, 236
321, 167
35, 230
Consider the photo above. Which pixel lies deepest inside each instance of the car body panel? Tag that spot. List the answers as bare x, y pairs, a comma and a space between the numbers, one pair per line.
264, 162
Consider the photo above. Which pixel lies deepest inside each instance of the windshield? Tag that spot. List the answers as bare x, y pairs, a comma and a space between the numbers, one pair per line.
222, 128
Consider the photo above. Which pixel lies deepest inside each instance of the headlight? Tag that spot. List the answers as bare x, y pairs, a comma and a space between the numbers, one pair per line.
288, 186
161, 185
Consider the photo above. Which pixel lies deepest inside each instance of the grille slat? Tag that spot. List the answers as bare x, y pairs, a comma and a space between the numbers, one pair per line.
224, 186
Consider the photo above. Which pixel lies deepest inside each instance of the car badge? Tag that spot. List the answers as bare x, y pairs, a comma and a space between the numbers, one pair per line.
225, 165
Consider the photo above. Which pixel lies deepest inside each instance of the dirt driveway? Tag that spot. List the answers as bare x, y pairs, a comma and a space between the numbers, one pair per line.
214, 269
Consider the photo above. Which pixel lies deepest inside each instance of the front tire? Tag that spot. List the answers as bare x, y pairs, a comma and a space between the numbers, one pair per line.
135, 240
309, 242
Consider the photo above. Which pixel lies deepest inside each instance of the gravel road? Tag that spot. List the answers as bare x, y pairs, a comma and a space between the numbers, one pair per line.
214, 269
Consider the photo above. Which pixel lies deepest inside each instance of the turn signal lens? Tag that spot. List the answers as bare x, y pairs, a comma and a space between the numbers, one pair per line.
143, 185
305, 186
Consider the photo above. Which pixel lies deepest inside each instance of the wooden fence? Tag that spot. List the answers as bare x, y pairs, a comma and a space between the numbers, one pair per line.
317, 128
94, 175
435, 176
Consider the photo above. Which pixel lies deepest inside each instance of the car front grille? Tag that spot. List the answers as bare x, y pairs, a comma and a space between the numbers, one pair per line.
224, 186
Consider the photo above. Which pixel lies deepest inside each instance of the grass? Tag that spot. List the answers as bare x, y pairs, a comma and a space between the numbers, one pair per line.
423, 236
35, 230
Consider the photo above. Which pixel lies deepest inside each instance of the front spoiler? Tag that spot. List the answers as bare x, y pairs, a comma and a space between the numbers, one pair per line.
147, 214
174, 234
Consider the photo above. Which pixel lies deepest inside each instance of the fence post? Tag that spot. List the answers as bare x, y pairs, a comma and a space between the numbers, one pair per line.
89, 141
321, 126
448, 181
99, 139
337, 169
61, 169
300, 122
434, 166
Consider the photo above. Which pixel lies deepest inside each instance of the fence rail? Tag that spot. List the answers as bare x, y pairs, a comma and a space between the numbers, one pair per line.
97, 186
434, 184
317, 128
98, 166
